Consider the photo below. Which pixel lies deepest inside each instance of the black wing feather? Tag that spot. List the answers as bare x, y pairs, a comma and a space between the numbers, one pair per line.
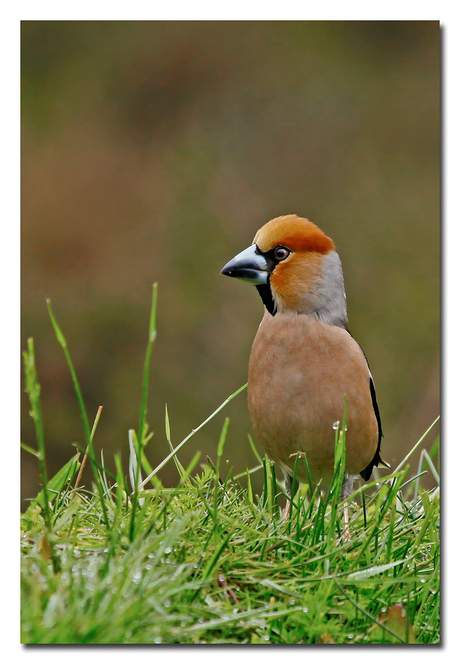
367, 472
377, 459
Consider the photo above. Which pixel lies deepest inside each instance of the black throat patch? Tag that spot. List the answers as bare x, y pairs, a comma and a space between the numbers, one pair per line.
265, 293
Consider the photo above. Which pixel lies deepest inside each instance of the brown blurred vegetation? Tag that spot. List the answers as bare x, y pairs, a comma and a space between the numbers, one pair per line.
153, 151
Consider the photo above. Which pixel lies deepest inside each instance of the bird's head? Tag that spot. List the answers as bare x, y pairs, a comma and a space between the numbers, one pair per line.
295, 268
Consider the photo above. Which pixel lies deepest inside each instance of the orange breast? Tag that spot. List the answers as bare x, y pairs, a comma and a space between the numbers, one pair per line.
300, 370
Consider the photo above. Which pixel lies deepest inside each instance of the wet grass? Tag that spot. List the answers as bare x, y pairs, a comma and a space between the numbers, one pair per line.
209, 561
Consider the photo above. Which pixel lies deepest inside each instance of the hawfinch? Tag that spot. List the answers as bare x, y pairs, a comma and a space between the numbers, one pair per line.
303, 360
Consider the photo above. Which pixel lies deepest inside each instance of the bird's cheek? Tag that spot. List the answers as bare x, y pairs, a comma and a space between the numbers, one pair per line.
292, 280
287, 290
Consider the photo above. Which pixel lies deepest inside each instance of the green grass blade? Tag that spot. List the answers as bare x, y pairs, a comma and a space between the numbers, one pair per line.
147, 362
61, 339
55, 485
179, 466
191, 434
134, 472
83, 463
220, 445
417, 444
140, 439
33, 389
254, 449
31, 450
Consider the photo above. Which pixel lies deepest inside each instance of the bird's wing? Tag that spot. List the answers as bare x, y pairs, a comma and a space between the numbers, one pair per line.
377, 459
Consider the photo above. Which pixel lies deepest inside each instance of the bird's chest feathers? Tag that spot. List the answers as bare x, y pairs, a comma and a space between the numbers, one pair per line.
299, 373
291, 355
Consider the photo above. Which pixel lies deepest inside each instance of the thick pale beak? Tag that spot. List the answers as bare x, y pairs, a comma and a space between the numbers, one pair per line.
248, 266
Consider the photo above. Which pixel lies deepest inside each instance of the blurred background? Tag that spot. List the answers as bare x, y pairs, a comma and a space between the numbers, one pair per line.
153, 151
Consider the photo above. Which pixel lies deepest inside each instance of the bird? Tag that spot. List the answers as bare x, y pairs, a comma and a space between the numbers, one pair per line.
304, 363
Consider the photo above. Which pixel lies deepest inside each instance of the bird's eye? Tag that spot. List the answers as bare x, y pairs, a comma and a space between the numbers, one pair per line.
281, 253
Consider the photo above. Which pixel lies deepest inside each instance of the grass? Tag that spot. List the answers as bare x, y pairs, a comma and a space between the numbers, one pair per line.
208, 561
